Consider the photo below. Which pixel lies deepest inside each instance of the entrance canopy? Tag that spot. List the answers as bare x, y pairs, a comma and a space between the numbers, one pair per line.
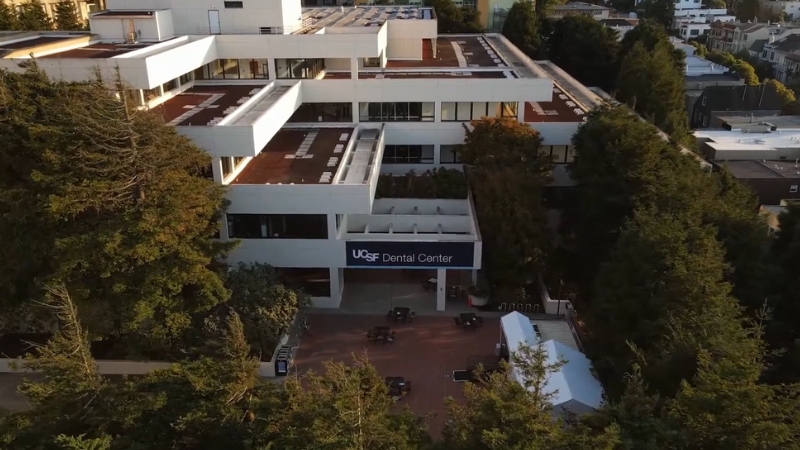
518, 330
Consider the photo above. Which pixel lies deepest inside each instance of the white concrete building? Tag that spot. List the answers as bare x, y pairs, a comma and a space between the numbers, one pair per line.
302, 109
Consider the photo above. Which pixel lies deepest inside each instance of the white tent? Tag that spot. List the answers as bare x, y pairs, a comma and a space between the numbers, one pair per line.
573, 386
518, 330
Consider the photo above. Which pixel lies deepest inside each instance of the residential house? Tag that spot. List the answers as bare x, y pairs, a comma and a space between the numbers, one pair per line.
696, 22
784, 55
621, 26
702, 73
596, 11
733, 37
789, 9
726, 100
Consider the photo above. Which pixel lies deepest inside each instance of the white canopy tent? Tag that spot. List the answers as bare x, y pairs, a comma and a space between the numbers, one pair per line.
573, 386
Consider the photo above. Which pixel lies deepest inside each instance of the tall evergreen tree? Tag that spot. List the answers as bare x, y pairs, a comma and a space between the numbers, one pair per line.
8, 18
649, 33
521, 27
109, 201
586, 49
448, 16
650, 82
32, 17
67, 17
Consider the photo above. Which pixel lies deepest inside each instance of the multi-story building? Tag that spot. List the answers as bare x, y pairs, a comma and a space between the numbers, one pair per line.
83, 7
588, 9
621, 26
733, 37
692, 23
701, 73
788, 9
784, 55
302, 110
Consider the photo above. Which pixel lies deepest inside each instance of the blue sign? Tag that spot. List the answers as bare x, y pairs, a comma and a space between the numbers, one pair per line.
410, 254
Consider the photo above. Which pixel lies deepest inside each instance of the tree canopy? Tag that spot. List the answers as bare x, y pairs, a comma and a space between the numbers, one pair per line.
585, 48
32, 17
452, 19
67, 16
8, 18
108, 201
507, 174
521, 27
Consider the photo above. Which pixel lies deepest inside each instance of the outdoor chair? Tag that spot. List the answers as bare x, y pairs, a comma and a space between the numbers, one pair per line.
458, 321
407, 387
390, 315
390, 337
410, 318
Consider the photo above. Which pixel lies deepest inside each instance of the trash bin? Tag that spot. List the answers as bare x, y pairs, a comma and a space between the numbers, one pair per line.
283, 360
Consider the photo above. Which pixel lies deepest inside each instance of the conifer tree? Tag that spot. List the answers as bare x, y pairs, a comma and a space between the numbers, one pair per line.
109, 201
521, 27
67, 17
32, 17
8, 18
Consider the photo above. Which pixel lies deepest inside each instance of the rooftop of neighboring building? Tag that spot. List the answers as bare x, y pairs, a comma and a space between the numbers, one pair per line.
711, 77
417, 74
755, 169
298, 156
748, 27
768, 121
17, 42
206, 105
620, 22
758, 45
575, 6
364, 16
789, 43
124, 13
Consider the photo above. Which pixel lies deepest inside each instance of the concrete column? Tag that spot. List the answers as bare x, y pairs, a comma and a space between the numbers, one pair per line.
216, 168
437, 112
441, 289
354, 68
332, 232
271, 69
521, 111
474, 277
140, 94
336, 286
356, 112
437, 155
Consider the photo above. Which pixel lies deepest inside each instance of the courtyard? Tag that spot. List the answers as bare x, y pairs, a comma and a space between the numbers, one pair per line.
425, 352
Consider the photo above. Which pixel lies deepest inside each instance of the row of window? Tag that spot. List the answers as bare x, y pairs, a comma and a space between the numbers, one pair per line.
397, 112
233, 69
466, 111
277, 226
229, 164
423, 154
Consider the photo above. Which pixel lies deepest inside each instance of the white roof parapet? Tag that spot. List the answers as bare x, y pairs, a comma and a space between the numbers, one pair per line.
514, 56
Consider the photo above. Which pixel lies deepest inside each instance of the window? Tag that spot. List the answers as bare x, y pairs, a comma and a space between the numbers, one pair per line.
396, 112
694, 32
323, 112
170, 85
187, 78
448, 154
466, 111
372, 62
793, 188
314, 282
558, 153
703, 102
253, 68
408, 154
277, 226
234, 5
306, 69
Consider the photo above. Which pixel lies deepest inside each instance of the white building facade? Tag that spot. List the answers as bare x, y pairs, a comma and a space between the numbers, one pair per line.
302, 110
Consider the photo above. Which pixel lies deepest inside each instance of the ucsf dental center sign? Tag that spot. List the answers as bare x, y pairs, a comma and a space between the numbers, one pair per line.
410, 254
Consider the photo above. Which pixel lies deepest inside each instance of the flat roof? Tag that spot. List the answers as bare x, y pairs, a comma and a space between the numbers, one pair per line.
761, 169
206, 105
364, 16
124, 13
742, 121
561, 108
99, 50
454, 51
298, 156
32, 42
739, 140
422, 74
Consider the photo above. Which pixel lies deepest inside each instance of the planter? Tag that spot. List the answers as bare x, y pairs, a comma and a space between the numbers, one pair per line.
476, 300
552, 306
